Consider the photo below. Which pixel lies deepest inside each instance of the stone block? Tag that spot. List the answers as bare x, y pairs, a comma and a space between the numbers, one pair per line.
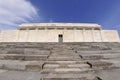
92, 57
62, 58
16, 51
36, 51
65, 62
36, 66
70, 76
79, 66
14, 57
66, 70
51, 66
100, 64
12, 65
36, 57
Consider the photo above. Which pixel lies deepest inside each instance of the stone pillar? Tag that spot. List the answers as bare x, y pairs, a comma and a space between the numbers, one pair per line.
101, 35
46, 36
17, 36
36, 30
93, 34
64, 34
83, 31
0, 36
27, 34
75, 34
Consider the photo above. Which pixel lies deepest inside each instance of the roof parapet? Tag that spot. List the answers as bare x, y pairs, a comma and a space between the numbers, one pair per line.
59, 25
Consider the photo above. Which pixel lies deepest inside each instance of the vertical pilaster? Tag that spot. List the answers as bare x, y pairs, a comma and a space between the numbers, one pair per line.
83, 32
75, 34
56, 35
101, 35
37, 34
46, 35
27, 34
0, 36
17, 36
93, 34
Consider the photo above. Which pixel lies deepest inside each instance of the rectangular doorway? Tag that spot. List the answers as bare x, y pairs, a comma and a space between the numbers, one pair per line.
60, 38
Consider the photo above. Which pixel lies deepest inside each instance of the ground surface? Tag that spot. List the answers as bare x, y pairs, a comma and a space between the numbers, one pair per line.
53, 61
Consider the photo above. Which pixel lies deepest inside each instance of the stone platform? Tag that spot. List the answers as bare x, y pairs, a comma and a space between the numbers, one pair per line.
54, 61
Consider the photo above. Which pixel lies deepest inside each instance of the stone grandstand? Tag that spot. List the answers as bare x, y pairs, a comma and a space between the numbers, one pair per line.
55, 61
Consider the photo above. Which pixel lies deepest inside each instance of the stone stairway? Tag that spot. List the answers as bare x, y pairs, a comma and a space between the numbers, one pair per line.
67, 61
65, 64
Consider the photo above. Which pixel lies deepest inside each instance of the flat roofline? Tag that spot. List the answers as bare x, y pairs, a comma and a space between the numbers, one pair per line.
58, 25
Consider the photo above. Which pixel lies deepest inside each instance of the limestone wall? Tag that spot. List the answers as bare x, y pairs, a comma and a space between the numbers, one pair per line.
88, 37
0, 36
109, 36
23, 36
32, 36
68, 36
97, 36
78, 36
52, 35
8, 36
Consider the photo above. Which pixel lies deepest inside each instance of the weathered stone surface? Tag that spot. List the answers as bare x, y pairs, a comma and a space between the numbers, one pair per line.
35, 51
20, 75
36, 57
60, 61
23, 57
70, 76
36, 66
100, 64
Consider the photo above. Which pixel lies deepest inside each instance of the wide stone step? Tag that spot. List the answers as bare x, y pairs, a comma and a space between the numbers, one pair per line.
100, 64
66, 62
54, 66
100, 56
20, 65
60, 54
70, 76
36, 52
63, 51
67, 70
80, 78
115, 62
62, 58
16, 51
23, 57
91, 57
89, 52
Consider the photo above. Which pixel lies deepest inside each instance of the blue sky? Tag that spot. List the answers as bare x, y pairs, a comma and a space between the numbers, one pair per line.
103, 12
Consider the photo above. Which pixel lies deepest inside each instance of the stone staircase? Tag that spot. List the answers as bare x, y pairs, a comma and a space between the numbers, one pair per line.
67, 61
64, 64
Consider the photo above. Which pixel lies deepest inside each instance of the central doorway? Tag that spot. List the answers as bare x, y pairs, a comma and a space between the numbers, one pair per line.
60, 38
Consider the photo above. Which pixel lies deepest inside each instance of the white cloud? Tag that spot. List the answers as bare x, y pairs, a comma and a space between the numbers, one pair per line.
13, 12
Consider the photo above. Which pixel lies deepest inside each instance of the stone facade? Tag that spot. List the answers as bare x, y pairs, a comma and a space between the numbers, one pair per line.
51, 32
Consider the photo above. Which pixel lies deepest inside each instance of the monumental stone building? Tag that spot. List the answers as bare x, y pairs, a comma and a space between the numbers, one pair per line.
59, 32
33, 52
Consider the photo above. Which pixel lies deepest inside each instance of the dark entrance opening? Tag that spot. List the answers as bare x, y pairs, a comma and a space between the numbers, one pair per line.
60, 38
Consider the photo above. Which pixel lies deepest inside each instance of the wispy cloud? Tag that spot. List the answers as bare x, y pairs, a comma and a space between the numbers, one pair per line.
14, 12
